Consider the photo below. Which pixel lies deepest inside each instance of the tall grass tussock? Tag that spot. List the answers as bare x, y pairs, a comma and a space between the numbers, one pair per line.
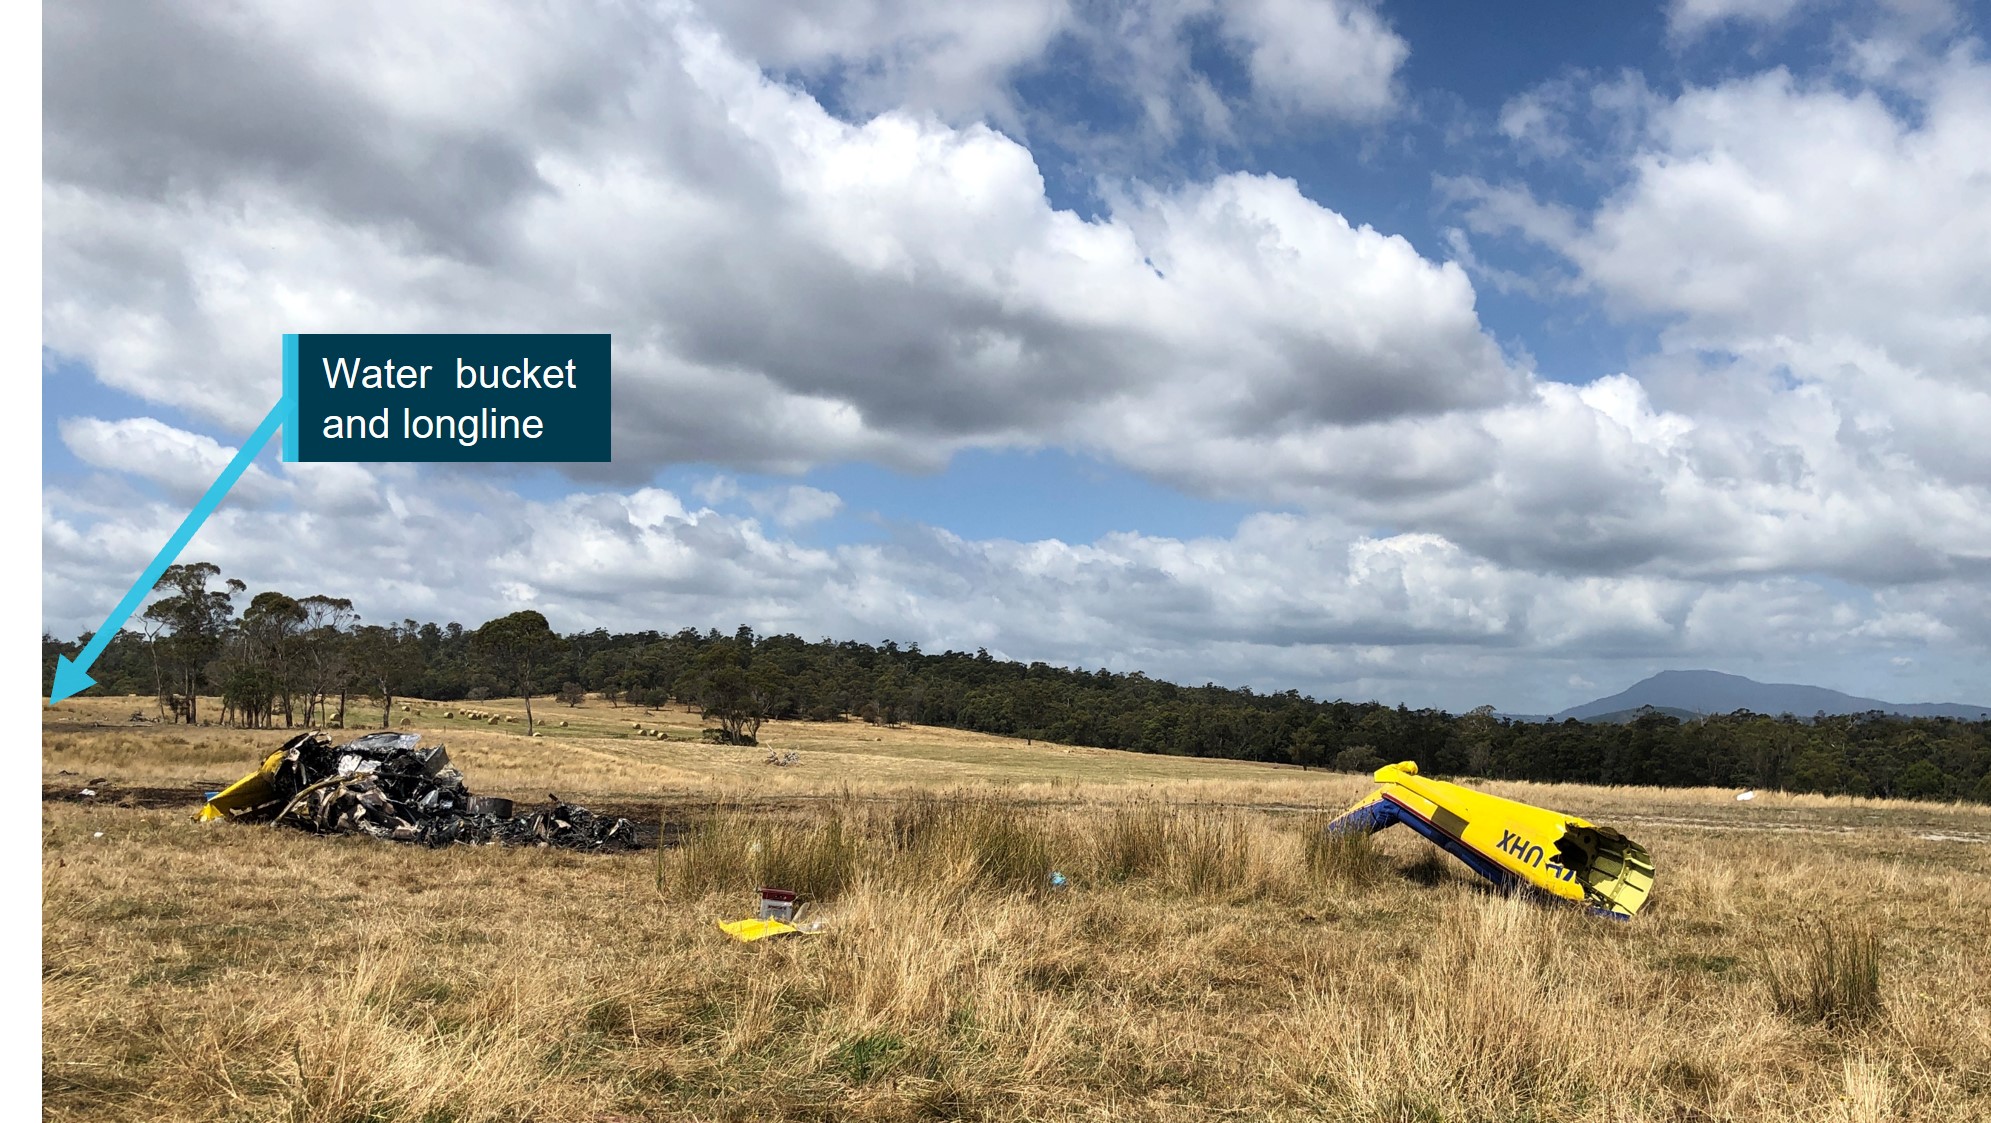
1828, 972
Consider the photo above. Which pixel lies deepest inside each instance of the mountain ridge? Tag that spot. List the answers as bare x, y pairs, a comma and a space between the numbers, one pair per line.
1715, 692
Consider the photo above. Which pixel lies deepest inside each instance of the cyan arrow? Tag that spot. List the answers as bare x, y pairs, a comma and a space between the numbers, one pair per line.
72, 677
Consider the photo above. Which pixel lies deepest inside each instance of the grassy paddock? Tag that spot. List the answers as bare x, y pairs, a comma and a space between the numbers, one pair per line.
1208, 956
609, 752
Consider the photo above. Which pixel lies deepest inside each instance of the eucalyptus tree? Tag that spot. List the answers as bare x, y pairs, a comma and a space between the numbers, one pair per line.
271, 626
326, 665
517, 646
386, 661
196, 620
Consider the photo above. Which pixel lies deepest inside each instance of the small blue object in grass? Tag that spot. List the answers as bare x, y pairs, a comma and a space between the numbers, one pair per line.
1057, 880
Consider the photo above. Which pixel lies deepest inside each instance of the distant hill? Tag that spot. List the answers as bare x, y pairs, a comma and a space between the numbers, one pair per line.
1711, 692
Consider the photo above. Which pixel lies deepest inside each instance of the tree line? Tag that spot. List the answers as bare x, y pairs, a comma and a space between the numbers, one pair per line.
301, 660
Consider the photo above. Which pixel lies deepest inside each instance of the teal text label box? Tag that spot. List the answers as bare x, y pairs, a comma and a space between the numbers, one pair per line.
447, 398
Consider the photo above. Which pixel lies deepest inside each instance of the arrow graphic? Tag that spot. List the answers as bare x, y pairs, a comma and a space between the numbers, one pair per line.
71, 677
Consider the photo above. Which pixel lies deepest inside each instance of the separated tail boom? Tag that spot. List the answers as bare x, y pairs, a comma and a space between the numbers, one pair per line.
1509, 843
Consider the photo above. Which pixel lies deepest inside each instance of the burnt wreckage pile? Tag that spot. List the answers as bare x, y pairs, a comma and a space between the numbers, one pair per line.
384, 785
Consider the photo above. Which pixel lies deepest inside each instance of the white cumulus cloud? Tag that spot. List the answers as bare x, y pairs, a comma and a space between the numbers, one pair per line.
181, 463
1319, 56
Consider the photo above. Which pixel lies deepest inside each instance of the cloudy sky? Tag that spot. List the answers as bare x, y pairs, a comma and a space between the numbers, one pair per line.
1447, 354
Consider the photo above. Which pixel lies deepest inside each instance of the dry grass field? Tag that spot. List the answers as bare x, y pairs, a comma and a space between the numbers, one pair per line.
1208, 957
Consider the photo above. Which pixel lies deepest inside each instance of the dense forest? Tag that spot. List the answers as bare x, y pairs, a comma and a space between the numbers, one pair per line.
279, 660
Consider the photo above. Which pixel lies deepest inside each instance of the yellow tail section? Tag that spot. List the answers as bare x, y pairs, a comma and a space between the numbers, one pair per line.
1556, 853
248, 793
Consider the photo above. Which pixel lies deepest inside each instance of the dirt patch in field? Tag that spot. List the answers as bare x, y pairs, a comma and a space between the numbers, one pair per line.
111, 794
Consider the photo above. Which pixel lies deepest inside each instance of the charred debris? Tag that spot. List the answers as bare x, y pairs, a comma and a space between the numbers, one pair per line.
388, 786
